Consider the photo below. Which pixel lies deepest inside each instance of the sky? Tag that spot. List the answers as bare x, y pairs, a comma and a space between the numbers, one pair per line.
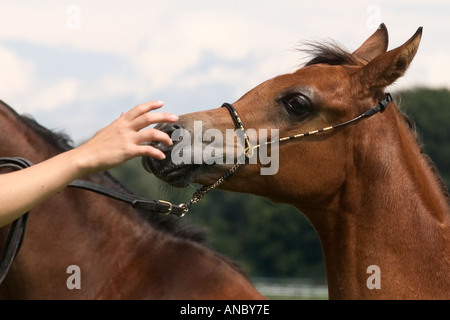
75, 65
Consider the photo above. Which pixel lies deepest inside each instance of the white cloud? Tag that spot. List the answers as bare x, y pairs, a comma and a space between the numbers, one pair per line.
55, 95
438, 67
111, 83
16, 75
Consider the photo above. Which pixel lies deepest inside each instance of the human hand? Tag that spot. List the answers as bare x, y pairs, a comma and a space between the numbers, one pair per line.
123, 139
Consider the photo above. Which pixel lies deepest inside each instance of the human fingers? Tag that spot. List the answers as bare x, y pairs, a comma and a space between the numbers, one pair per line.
149, 135
142, 108
149, 151
147, 119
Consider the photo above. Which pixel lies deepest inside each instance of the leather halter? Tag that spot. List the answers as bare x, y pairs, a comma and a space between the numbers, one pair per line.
249, 150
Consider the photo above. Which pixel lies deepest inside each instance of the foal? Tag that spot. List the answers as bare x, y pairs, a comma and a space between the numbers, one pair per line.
376, 202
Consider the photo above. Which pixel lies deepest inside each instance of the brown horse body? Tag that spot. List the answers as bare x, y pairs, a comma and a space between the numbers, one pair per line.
376, 202
119, 253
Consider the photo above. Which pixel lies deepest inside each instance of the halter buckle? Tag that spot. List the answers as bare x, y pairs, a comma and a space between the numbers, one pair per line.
170, 207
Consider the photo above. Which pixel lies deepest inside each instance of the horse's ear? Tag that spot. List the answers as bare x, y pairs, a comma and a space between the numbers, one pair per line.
376, 45
388, 67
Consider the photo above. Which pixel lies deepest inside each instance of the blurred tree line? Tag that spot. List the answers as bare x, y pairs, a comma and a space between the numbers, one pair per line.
275, 240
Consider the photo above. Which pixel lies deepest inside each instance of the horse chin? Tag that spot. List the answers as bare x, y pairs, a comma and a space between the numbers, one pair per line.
181, 175
177, 175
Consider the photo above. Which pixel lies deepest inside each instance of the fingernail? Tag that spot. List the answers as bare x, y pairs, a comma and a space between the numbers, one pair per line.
174, 117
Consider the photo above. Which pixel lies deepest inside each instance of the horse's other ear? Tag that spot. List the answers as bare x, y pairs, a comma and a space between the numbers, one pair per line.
376, 45
388, 67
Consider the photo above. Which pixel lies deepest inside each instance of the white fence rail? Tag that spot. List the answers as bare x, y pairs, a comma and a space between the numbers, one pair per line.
274, 288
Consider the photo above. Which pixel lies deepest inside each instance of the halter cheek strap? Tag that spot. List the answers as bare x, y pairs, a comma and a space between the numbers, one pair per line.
249, 150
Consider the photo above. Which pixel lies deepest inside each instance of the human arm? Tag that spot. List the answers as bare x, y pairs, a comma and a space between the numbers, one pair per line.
109, 147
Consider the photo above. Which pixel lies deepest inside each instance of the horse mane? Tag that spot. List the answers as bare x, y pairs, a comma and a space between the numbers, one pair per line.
61, 140
411, 125
332, 53
168, 224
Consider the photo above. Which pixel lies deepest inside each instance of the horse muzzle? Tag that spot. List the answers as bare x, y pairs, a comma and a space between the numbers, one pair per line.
176, 174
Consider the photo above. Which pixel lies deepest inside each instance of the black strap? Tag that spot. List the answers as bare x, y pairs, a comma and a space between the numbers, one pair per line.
17, 230
380, 107
234, 115
157, 206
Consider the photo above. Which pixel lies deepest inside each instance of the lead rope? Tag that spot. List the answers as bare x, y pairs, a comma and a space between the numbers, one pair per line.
201, 192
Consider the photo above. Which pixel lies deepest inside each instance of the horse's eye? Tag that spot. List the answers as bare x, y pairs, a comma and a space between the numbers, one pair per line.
298, 104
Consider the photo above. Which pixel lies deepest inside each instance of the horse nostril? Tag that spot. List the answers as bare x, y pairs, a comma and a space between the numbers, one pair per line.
168, 128
176, 126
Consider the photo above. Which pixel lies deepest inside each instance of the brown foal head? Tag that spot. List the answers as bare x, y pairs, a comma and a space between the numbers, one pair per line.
333, 87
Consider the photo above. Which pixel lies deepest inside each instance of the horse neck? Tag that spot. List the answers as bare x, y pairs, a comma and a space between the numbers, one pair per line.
391, 213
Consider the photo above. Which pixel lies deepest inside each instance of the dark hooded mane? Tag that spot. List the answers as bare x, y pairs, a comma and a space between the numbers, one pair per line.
169, 224
60, 140
329, 52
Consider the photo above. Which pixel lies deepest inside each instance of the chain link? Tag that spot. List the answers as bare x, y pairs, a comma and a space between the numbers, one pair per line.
201, 192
